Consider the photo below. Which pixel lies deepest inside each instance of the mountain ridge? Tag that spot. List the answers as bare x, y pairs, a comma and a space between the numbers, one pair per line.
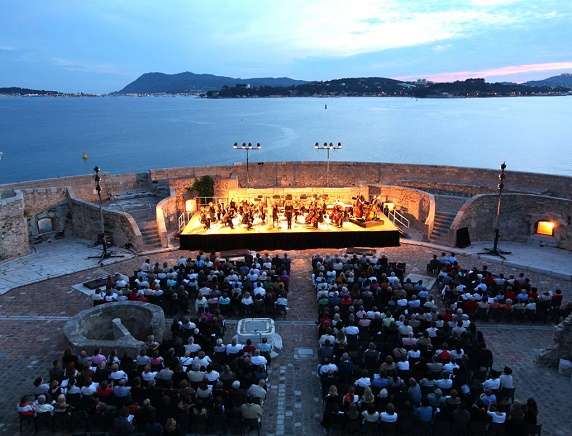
562, 80
188, 82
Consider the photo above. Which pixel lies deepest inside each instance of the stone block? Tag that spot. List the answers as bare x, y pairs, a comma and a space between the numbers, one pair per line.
122, 326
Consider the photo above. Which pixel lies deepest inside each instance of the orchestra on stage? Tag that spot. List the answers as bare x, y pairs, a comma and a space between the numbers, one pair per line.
309, 212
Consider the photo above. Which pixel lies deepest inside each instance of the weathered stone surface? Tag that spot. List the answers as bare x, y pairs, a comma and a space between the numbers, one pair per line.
416, 204
519, 214
43, 198
120, 225
167, 215
120, 326
14, 239
562, 347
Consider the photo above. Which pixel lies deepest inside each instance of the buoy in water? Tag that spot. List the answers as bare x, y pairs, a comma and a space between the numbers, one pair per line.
84, 156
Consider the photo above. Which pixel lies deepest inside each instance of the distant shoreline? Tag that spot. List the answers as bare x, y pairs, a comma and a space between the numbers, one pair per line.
433, 97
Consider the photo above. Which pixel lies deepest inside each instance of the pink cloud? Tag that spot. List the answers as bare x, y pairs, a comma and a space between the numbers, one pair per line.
494, 72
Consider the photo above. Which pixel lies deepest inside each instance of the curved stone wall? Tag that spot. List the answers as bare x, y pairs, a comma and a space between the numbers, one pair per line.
419, 205
86, 224
519, 214
304, 174
122, 326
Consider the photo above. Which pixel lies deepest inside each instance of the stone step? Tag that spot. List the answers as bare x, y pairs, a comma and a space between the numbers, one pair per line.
147, 225
149, 231
445, 214
443, 220
152, 241
143, 216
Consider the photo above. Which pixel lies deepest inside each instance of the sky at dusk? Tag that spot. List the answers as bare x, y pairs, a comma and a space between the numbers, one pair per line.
100, 46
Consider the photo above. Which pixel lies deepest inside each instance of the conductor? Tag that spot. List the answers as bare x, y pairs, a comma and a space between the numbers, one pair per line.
289, 211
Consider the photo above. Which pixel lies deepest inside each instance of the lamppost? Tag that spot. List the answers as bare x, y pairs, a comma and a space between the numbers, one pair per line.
495, 251
328, 147
105, 254
247, 147
97, 179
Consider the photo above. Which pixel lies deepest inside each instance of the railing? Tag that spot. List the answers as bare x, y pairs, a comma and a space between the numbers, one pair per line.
398, 218
183, 220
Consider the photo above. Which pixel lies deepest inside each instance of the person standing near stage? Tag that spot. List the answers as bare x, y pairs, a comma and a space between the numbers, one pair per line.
205, 220
297, 210
212, 212
289, 211
262, 212
274, 215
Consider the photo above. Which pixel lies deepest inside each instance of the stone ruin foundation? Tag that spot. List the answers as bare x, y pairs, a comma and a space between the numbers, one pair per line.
562, 347
123, 326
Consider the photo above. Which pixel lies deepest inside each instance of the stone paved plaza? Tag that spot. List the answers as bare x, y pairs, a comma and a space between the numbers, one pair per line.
53, 259
32, 316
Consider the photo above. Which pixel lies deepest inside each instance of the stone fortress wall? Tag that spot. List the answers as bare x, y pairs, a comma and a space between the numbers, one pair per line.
520, 213
410, 186
13, 227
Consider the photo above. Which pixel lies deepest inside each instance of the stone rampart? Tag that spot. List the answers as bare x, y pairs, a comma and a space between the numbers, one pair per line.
419, 205
519, 214
166, 212
46, 204
14, 239
120, 225
84, 187
303, 174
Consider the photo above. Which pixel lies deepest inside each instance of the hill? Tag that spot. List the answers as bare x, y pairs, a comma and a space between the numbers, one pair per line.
562, 81
26, 91
183, 83
360, 86
380, 86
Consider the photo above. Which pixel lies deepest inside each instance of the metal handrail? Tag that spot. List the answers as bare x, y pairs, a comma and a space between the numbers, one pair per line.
398, 218
182, 220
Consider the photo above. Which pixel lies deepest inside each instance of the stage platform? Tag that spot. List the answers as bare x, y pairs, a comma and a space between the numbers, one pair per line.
265, 237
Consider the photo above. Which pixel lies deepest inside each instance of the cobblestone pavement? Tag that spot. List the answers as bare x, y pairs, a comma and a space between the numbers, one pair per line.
517, 346
31, 319
27, 349
52, 259
549, 258
294, 404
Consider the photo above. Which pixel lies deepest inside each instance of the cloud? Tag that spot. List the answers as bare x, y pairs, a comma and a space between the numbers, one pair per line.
509, 70
491, 3
336, 28
441, 47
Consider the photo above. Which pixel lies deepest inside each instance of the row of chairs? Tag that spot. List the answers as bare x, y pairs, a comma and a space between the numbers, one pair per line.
81, 422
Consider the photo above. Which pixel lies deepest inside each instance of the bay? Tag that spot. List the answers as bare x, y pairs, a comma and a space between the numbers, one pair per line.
46, 137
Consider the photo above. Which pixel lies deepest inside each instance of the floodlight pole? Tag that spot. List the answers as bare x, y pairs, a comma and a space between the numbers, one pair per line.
328, 146
247, 148
105, 253
97, 179
495, 251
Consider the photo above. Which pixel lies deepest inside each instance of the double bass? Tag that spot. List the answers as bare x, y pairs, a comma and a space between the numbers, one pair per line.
372, 209
338, 215
359, 207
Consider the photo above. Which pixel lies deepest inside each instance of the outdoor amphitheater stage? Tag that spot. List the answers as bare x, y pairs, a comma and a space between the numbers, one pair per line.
263, 236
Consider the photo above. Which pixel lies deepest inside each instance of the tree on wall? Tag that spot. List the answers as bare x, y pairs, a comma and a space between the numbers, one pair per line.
203, 187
